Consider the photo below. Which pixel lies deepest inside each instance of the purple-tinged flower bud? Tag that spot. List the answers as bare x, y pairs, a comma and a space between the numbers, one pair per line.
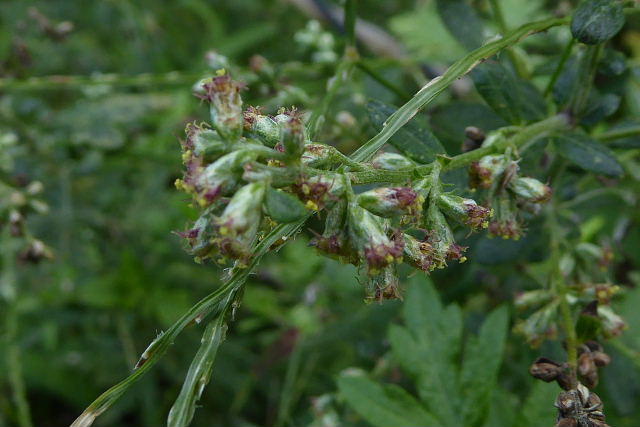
392, 162
318, 191
466, 211
202, 142
334, 240
505, 221
484, 172
263, 127
240, 221
217, 179
530, 189
316, 154
418, 253
223, 94
199, 237
370, 240
390, 202
441, 238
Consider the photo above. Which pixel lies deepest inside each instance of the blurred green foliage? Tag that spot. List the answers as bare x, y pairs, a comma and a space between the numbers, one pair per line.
107, 154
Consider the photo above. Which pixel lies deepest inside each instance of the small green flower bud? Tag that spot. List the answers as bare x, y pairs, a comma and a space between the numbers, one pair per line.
384, 286
524, 300
530, 189
199, 236
466, 211
226, 105
390, 202
292, 137
263, 127
484, 172
244, 209
505, 222
368, 237
316, 154
612, 324
392, 162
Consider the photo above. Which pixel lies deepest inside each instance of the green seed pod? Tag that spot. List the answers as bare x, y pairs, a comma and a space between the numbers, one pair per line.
368, 237
263, 127
392, 162
530, 189
466, 211
391, 202
226, 105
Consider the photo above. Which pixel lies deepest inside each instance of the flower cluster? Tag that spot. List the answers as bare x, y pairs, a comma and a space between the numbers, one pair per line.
248, 171
507, 193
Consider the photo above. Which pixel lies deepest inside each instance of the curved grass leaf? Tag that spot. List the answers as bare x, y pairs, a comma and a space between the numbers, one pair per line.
383, 405
596, 21
414, 141
588, 154
199, 373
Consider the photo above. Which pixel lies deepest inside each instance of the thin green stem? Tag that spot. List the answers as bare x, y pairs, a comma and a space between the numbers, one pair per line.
566, 53
619, 133
631, 354
401, 94
350, 17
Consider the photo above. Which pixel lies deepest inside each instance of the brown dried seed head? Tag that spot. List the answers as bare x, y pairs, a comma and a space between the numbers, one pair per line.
567, 422
544, 371
586, 364
601, 359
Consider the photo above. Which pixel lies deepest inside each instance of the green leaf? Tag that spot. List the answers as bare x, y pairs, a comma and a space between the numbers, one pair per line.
482, 360
412, 140
514, 100
462, 21
538, 409
199, 373
596, 21
588, 154
383, 405
449, 122
283, 207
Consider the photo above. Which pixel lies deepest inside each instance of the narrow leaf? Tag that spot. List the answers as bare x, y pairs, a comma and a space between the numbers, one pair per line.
199, 373
414, 141
383, 405
283, 207
588, 154
596, 21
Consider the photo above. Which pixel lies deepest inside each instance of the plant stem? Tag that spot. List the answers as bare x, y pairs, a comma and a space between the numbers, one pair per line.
566, 53
619, 133
401, 94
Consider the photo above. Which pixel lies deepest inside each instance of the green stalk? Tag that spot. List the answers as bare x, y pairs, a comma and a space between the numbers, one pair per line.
520, 68
436, 86
563, 60
619, 133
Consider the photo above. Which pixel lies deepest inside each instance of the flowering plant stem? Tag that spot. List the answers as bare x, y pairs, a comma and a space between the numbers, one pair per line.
214, 302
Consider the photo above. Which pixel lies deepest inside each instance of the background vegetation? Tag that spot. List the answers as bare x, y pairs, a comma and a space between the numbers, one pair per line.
94, 96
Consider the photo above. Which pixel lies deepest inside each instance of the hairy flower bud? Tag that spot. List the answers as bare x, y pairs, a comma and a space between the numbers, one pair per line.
334, 240
369, 239
223, 94
292, 136
612, 324
389, 202
384, 286
316, 154
263, 127
483, 173
318, 191
239, 223
505, 221
530, 189
441, 238
466, 211
539, 325
202, 142
392, 162
418, 253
